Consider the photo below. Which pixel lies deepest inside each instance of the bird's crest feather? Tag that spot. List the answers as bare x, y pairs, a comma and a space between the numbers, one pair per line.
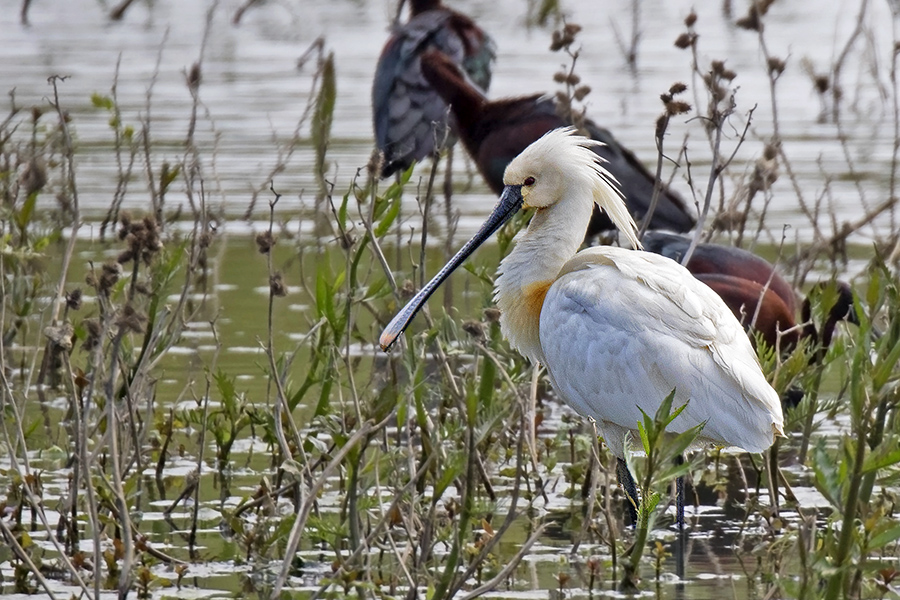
565, 148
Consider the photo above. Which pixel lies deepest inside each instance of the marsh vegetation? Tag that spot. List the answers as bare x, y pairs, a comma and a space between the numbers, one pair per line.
194, 404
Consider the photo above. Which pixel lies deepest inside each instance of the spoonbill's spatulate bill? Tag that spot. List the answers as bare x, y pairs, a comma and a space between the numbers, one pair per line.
616, 329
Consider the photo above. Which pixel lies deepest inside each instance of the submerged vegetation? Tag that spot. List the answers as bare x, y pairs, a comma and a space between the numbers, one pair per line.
433, 471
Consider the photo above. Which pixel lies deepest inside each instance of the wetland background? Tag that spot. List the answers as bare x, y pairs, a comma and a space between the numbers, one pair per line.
193, 284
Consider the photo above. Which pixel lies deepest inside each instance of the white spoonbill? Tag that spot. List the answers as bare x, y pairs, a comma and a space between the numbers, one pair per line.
616, 329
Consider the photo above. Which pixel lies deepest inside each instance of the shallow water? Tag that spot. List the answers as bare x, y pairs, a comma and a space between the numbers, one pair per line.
253, 96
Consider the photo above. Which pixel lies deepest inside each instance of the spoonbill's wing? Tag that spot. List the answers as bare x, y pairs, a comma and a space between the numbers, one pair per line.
620, 329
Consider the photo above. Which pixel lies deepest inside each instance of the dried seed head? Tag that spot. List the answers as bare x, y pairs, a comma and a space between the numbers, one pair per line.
751, 21
662, 123
719, 93
125, 222
346, 240
60, 337
34, 177
492, 315
677, 88
560, 76
276, 285
93, 330
565, 37
65, 202
763, 6
581, 92
73, 299
36, 112
152, 241
194, 77
690, 19
573, 79
375, 164
677, 107
142, 238
728, 220
822, 83
765, 171
776, 66
109, 275
571, 29
131, 320
474, 328
264, 242
407, 290
685, 40
556, 44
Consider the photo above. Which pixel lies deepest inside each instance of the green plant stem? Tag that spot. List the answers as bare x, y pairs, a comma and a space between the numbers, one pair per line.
465, 516
630, 568
809, 421
875, 438
352, 496
836, 581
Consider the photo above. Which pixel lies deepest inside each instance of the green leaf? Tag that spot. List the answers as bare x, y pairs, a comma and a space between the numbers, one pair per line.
827, 474
23, 217
323, 115
885, 368
385, 223
168, 174
451, 471
883, 456
324, 300
884, 538
680, 443
99, 101
225, 385
342, 211
645, 440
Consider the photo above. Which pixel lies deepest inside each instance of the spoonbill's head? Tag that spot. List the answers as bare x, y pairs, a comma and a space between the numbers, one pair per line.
560, 168
557, 173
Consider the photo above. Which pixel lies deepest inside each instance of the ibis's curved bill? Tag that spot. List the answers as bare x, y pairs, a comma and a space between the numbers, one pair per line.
510, 202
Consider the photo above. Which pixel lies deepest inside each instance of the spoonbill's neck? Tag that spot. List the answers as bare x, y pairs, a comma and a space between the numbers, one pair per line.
552, 238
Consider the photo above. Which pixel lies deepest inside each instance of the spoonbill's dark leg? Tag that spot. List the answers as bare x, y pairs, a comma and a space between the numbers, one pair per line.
631, 494
679, 496
681, 551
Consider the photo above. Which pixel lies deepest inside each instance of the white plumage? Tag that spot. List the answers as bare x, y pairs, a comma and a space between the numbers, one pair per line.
623, 328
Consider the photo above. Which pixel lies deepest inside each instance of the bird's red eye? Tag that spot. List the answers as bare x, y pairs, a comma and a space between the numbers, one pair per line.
529, 181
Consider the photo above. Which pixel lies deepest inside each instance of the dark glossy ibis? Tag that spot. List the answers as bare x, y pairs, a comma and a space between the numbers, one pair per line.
404, 105
496, 131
